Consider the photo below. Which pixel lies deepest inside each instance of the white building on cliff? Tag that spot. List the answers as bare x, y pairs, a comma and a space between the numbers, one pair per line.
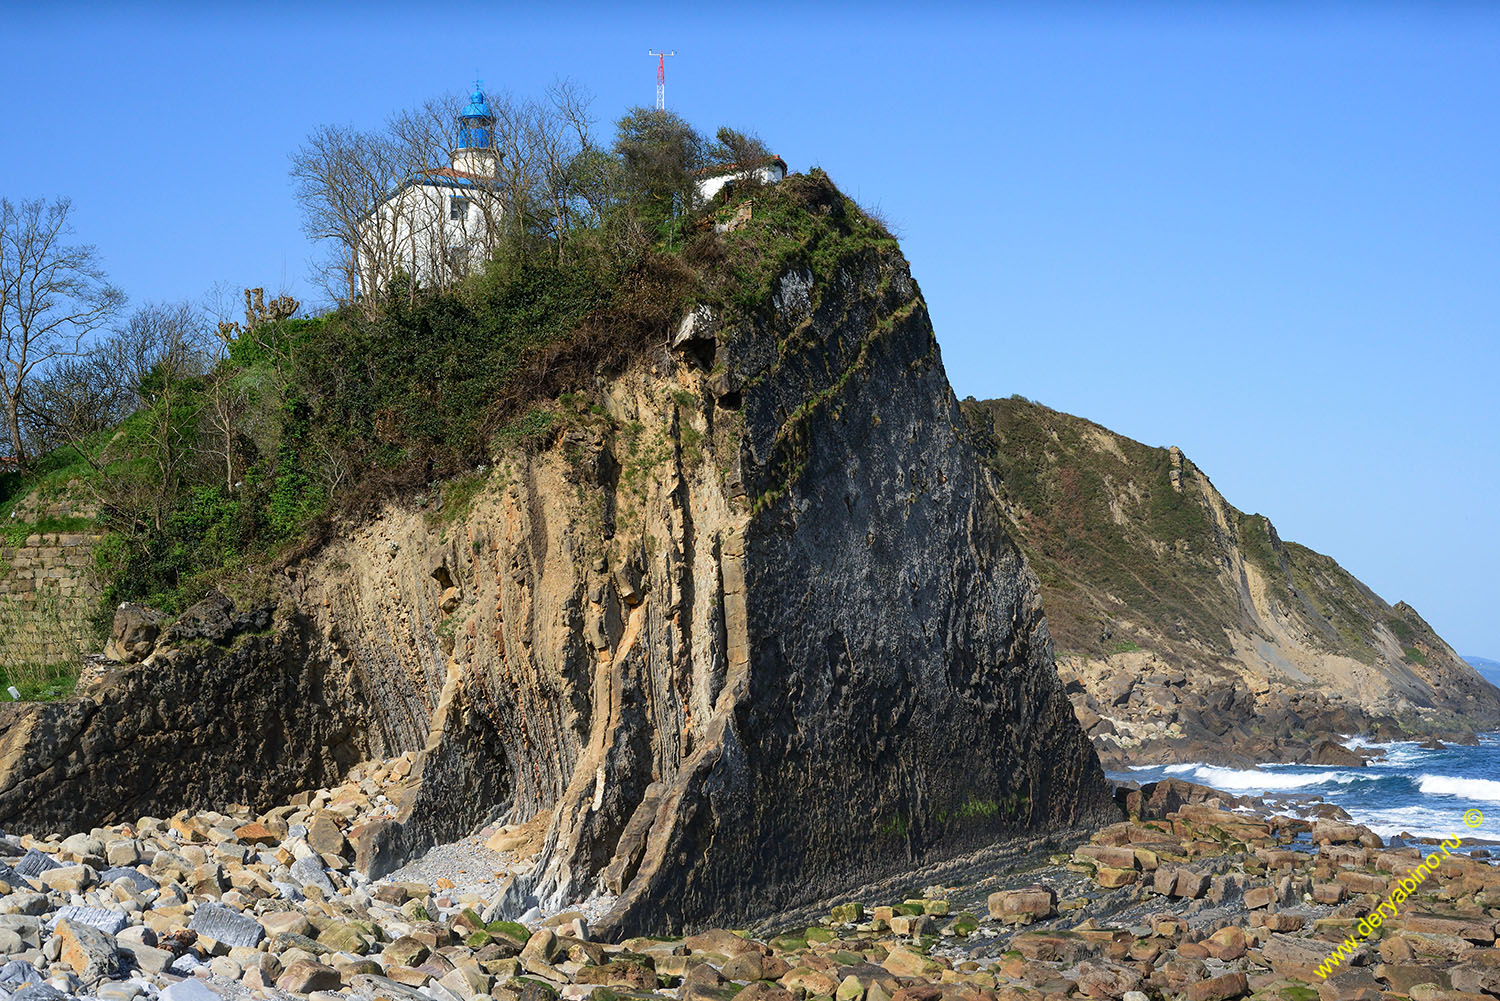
711, 181
436, 224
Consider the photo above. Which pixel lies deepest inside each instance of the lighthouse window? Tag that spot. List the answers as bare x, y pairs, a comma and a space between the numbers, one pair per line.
458, 208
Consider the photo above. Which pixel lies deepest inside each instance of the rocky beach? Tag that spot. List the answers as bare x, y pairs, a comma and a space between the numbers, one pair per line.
1198, 896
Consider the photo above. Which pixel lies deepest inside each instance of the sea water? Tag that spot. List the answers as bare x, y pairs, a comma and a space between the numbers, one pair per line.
1411, 789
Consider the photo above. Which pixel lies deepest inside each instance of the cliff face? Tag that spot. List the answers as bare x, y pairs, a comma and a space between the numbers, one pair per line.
748, 632
1189, 630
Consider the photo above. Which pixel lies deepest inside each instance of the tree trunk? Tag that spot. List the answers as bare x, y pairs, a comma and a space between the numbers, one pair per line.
13, 423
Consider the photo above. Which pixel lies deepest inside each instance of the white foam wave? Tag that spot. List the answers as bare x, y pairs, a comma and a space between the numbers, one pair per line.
1486, 790
1254, 779
1419, 821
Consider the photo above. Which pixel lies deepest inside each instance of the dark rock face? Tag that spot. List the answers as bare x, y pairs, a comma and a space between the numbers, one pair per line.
243, 719
750, 635
898, 701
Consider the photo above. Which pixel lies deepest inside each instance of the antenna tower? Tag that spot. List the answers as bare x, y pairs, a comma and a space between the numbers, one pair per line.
661, 77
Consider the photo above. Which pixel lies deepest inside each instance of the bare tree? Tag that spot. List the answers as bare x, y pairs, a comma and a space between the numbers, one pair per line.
53, 294
344, 180
224, 413
156, 335
78, 397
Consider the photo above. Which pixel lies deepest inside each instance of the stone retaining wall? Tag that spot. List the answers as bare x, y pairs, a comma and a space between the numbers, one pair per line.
47, 596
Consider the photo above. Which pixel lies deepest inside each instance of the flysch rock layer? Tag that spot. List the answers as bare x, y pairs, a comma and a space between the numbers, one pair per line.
749, 632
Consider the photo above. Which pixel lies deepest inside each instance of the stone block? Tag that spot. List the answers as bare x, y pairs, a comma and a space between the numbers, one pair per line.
90, 952
35, 863
1028, 904
103, 918
227, 926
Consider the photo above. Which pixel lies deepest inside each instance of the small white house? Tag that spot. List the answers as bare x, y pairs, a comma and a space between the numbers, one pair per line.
435, 224
712, 180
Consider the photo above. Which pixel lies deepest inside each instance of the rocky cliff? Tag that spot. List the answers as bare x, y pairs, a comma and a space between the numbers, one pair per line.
1189, 630
747, 630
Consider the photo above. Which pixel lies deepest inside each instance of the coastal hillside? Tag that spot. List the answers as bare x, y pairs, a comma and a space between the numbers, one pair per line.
719, 618
1189, 630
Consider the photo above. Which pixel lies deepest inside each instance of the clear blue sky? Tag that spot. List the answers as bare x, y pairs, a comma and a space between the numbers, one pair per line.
1268, 233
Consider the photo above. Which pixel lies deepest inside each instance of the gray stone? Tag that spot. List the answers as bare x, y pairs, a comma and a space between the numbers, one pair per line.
136, 935
125, 990
104, 918
25, 902
147, 958
39, 992
309, 872
26, 926
35, 863
18, 971
191, 989
84, 847
230, 927
142, 881
381, 987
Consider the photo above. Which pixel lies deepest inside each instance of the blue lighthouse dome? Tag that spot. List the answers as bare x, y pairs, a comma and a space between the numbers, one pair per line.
476, 124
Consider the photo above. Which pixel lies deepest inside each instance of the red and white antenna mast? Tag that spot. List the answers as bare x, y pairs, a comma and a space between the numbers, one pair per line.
661, 77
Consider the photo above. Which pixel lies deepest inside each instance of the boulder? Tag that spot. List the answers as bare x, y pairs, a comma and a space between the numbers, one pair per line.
1023, 906
1106, 980
305, 976
90, 952
133, 636
1220, 988
1226, 944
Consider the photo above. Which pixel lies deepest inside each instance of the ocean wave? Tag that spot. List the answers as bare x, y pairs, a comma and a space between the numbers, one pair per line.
1398, 753
1254, 779
1419, 821
1487, 790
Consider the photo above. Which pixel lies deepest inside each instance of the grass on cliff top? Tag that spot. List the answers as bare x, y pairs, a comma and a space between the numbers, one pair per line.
335, 416
805, 221
61, 475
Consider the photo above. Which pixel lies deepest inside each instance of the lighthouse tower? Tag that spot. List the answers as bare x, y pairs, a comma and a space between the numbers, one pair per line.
476, 153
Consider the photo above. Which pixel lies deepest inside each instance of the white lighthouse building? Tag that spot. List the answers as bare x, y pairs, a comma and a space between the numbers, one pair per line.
436, 225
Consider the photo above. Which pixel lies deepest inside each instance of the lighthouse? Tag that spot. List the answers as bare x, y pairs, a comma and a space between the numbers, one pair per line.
476, 153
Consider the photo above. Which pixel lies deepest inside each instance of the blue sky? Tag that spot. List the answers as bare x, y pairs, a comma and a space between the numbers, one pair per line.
1266, 233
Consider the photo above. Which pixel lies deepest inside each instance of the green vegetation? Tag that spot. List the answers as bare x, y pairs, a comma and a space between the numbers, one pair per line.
1128, 562
1104, 528
42, 641
43, 682
233, 462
